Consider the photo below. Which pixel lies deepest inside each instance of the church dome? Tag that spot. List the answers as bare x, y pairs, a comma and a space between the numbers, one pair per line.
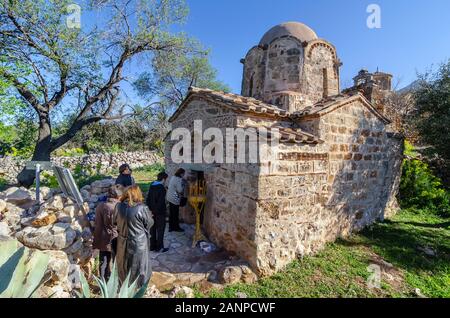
297, 30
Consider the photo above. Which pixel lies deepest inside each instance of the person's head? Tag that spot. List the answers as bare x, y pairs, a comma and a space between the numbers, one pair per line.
162, 176
113, 192
180, 173
133, 195
125, 169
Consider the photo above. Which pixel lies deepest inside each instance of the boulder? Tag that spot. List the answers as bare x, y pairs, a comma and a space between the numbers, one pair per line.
44, 219
71, 210
56, 203
62, 217
12, 216
58, 267
248, 276
230, 274
181, 292
51, 237
162, 280
75, 247
17, 196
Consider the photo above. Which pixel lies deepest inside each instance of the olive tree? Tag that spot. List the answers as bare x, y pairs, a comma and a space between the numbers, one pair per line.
79, 70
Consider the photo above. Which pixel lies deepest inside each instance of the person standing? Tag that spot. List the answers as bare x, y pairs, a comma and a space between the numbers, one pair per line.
156, 202
175, 194
105, 233
133, 221
125, 179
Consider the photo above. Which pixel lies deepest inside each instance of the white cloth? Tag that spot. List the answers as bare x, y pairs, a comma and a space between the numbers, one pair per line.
175, 190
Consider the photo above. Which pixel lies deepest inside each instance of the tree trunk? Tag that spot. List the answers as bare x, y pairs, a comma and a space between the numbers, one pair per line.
41, 151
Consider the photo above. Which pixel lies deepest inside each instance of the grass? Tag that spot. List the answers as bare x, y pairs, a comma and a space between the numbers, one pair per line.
146, 175
341, 269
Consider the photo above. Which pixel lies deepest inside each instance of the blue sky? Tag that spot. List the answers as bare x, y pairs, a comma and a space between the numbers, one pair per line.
414, 34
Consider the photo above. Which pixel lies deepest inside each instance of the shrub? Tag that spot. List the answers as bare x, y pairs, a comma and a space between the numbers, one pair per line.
419, 188
72, 152
3, 184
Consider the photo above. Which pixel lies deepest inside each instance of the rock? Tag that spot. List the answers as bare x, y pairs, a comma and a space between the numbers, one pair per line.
12, 216
4, 229
85, 194
27, 221
93, 198
86, 235
51, 237
58, 267
45, 193
248, 276
17, 196
71, 210
75, 247
51, 292
212, 276
230, 274
162, 280
2, 206
44, 220
427, 250
418, 293
152, 292
74, 277
241, 295
63, 218
55, 204
84, 254
181, 292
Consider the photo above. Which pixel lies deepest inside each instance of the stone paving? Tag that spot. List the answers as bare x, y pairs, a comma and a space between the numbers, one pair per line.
184, 265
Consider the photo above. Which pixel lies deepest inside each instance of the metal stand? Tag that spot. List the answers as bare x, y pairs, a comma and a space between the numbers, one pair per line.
197, 199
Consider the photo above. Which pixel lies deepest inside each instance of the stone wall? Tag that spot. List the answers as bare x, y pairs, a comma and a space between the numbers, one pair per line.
315, 194
10, 167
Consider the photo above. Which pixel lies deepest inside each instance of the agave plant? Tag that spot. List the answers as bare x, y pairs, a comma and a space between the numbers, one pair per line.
111, 288
21, 269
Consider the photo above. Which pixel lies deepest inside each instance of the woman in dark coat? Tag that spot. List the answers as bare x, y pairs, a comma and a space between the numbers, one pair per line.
133, 220
105, 232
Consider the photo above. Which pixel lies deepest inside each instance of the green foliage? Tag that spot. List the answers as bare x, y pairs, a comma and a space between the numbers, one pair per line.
86, 175
18, 139
3, 184
419, 188
147, 174
111, 288
69, 152
49, 180
340, 269
21, 270
432, 119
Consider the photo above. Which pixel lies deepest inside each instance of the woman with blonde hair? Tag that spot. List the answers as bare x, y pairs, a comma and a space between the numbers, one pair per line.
133, 220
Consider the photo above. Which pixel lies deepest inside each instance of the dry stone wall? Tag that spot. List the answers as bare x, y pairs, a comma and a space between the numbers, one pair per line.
10, 167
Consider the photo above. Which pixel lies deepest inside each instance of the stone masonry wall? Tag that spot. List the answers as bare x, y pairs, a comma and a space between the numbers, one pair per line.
10, 167
315, 194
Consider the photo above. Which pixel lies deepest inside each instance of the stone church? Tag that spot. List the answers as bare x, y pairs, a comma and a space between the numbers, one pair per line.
335, 169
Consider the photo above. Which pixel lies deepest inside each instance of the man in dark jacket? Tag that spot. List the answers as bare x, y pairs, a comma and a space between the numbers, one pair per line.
125, 179
156, 202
